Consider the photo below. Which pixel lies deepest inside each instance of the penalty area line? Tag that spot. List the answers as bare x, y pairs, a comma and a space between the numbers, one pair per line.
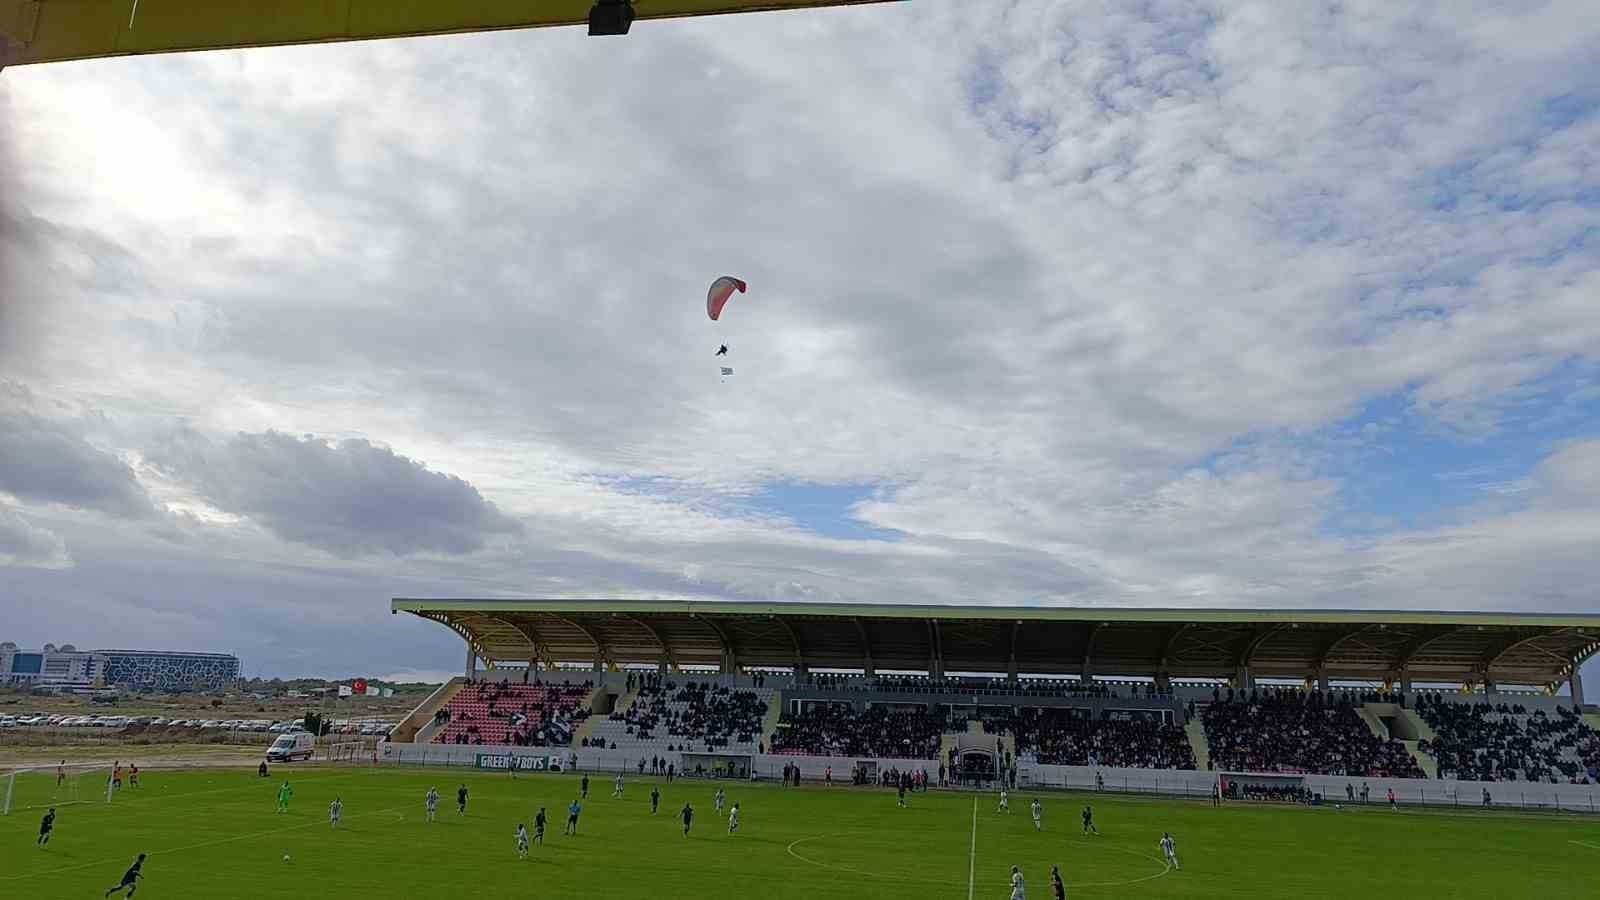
1585, 844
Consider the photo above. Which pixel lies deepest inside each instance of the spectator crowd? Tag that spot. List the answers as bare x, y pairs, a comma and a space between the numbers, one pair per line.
835, 729
1282, 730
1505, 742
712, 716
526, 715
1056, 737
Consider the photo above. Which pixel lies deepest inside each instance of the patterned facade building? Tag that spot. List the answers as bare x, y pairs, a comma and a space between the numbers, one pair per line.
160, 670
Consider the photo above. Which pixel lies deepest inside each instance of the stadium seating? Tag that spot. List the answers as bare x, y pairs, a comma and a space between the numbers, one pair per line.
1484, 741
541, 715
1293, 731
836, 729
695, 716
1056, 737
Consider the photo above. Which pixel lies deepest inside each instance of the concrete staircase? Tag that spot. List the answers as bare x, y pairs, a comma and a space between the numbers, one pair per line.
1409, 730
1428, 765
1420, 728
1198, 742
586, 730
418, 725
948, 743
1379, 730
770, 723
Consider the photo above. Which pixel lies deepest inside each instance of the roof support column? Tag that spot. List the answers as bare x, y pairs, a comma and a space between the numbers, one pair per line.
1322, 679
1405, 682
1011, 654
1241, 678
1575, 681
1489, 687
936, 644
472, 662
1163, 682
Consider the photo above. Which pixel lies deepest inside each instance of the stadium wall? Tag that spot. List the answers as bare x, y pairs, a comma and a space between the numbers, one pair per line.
1408, 791
1168, 782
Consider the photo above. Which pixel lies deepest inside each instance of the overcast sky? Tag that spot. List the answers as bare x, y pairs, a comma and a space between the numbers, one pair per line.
1169, 304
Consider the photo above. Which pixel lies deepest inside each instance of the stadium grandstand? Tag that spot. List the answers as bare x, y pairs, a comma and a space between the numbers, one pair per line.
1265, 702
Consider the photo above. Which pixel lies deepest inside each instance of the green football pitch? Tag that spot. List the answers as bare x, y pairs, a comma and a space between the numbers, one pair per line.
215, 834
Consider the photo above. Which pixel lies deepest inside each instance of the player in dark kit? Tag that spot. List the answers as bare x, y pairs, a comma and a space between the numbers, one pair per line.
1088, 821
130, 878
688, 818
47, 825
538, 827
655, 800
461, 800
1056, 884
584, 788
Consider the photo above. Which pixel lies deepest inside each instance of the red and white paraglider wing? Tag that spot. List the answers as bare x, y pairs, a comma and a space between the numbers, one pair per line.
721, 290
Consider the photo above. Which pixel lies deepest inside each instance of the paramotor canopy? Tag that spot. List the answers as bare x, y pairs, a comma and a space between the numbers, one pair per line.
721, 290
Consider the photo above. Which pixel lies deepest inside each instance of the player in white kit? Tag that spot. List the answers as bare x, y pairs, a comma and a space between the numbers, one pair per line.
335, 810
616, 790
718, 799
1018, 891
1038, 814
522, 841
1005, 802
433, 803
1170, 849
733, 819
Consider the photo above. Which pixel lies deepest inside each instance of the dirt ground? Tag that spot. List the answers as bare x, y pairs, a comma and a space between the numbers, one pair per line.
157, 756
234, 706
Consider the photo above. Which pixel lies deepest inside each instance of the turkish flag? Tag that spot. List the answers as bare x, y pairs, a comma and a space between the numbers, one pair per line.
360, 687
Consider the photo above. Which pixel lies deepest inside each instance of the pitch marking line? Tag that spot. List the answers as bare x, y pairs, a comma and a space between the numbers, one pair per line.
1166, 867
169, 850
972, 855
1585, 844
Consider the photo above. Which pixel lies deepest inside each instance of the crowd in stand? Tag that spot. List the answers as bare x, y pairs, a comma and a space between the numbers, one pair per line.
538, 715
1282, 730
835, 729
1056, 737
711, 715
921, 684
1505, 742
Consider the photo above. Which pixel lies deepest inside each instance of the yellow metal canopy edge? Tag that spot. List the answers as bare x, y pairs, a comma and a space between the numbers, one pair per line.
38, 31
1027, 613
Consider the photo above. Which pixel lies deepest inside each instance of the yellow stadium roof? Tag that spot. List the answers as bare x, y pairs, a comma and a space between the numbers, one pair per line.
35, 31
1522, 648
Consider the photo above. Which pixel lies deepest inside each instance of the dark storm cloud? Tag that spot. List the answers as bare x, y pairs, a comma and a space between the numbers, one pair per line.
45, 461
349, 498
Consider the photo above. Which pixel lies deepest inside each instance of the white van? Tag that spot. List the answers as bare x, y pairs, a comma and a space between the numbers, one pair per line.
290, 747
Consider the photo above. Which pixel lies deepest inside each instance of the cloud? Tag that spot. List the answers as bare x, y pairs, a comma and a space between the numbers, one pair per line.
1091, 303
22, 544
347, 497
49, 461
